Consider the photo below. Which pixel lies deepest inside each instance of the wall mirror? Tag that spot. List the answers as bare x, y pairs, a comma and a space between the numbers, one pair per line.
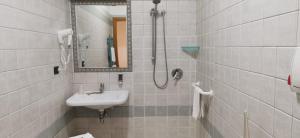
102, 35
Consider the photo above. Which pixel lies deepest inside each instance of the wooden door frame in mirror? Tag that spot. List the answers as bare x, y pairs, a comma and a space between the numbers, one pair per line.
129, 35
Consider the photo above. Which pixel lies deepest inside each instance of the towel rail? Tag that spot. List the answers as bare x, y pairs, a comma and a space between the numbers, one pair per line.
196, 86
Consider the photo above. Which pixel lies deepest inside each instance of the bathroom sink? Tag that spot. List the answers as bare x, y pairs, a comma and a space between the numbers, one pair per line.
99, 101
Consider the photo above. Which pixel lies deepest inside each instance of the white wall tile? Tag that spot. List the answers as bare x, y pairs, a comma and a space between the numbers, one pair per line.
4, 125
282, 125
262, 114
295, 129
271, 31
26, 47
284, 58
269, 61
14, 101
296, 105
284, 97
250, 59
252, 9
287, 28
5, 109
138, 18
137, 6
275, 7
257, 132
263, 33
252, 33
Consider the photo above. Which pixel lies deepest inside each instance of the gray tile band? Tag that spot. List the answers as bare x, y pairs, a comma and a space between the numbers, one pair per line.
137, 111
121, 111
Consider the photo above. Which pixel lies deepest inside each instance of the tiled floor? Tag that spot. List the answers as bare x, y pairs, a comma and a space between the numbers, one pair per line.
138, 127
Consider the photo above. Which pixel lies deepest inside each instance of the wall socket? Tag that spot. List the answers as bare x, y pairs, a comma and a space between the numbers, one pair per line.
56, 70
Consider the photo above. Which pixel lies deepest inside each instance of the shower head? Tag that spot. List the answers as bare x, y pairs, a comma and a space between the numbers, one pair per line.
156, 1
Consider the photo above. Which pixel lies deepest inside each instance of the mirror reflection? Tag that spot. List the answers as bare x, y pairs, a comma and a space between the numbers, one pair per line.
101, 36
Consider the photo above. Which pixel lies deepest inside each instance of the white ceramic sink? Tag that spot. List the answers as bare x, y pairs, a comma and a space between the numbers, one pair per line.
101, 101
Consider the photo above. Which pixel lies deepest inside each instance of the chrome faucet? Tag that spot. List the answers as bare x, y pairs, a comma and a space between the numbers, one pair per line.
101, 90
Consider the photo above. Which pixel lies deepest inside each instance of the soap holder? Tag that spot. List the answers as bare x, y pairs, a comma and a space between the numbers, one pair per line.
191, 50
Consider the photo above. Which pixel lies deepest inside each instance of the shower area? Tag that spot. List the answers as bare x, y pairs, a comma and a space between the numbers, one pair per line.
160, 102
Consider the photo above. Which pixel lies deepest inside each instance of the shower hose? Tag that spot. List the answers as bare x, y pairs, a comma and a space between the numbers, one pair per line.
165, 84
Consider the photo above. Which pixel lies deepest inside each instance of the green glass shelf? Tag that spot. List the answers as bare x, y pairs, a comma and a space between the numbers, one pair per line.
191, 50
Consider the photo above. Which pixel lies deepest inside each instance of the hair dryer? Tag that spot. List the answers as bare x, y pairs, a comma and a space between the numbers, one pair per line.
62, 35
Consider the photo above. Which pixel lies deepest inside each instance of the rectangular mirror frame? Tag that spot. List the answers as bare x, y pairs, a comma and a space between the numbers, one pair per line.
129, 35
